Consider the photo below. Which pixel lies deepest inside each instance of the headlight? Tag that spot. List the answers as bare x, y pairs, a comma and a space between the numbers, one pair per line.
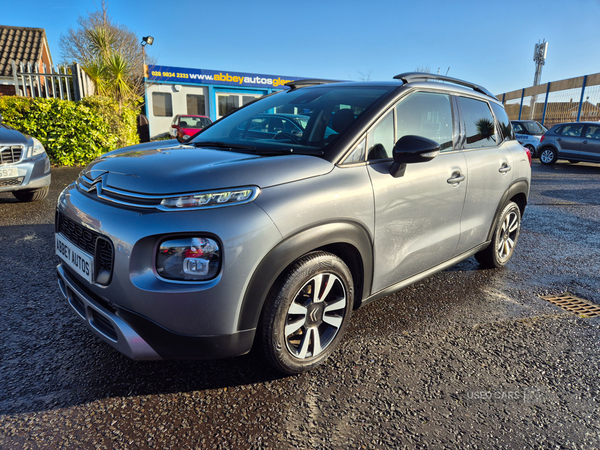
188, 259
210, 199
36, 149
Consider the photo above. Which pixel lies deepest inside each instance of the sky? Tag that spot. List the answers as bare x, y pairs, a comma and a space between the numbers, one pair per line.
490, 43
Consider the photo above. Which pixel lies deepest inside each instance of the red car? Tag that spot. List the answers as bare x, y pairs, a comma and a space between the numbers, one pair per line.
186, 126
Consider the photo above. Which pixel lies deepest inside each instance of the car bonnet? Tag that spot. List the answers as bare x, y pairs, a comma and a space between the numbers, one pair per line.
187, 169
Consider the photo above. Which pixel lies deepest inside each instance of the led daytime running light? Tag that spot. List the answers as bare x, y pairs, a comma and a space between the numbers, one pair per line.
209, 199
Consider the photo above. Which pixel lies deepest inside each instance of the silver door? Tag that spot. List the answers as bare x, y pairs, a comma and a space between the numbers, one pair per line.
490, 168
417, 215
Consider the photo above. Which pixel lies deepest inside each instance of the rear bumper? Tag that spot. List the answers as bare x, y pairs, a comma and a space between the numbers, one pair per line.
141, 339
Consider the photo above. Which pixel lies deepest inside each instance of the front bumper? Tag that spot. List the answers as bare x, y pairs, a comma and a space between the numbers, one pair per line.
141, 339
33, 173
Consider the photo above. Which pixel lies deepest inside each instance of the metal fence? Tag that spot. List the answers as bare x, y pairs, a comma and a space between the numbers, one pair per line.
65, 82
571, 100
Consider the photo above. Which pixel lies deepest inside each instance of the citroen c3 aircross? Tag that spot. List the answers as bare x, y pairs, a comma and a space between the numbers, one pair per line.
237, 237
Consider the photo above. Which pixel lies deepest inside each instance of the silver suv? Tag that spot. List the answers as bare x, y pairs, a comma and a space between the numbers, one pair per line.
202, 249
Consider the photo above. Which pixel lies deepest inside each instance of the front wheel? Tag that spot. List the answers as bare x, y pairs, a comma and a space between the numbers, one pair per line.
548, 155
307, 312
504, 239
31, 195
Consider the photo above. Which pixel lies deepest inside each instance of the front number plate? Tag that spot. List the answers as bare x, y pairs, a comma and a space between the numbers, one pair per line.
9, 172
80, 261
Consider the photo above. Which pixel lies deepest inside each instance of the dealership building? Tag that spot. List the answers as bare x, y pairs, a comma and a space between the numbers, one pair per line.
214, 93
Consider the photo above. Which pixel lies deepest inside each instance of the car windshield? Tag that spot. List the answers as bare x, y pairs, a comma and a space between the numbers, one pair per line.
193, 122
303, 120
535, 128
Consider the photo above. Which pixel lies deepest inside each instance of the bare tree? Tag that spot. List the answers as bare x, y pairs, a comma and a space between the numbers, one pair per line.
424, 69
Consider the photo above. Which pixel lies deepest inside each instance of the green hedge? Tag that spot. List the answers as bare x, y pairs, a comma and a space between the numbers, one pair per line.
73, 133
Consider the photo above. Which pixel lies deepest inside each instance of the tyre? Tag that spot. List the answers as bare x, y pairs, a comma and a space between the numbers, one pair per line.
504, 239
548, 155
307, 312
531, 150
31, 195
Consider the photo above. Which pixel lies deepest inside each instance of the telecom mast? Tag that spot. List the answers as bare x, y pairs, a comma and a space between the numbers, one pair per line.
539, 56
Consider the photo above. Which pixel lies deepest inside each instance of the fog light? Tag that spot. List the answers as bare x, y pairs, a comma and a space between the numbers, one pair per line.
188, 259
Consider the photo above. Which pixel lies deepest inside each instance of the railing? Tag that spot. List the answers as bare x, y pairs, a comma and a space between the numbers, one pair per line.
66, 82
570, 100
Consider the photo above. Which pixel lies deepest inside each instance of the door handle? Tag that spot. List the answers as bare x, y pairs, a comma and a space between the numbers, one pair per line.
456, 178
505, 168
584, 142
559, 139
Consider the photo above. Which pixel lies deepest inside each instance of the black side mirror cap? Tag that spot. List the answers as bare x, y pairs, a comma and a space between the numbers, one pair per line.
412, 149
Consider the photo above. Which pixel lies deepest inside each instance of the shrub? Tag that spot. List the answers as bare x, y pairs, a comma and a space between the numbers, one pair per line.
73, 133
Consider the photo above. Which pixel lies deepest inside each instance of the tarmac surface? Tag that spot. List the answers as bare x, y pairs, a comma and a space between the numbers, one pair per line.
469, 358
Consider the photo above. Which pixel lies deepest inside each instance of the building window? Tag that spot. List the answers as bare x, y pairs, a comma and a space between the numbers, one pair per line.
227, 103
195, 105
162, 104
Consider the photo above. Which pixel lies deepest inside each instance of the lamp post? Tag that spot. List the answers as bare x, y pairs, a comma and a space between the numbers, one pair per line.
145, 40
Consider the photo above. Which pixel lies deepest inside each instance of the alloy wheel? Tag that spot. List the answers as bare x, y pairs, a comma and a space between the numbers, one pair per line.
315, 316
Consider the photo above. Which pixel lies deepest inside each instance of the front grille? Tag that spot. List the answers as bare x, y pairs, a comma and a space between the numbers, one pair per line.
91, 242
7, 182
11, 154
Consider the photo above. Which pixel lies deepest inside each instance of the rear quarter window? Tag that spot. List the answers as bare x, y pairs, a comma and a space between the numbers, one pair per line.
505, 127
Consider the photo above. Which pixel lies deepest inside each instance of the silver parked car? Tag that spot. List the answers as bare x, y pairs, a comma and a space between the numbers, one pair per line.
24, 165
574, 141
200, 250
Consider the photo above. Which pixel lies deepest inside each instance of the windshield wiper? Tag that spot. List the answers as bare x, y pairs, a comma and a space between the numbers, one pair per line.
220, 144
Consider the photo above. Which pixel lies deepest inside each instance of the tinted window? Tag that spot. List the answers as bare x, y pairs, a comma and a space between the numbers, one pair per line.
592, 132
571, 129
506, 130
381, 138
426, 114
479, 123
162, 104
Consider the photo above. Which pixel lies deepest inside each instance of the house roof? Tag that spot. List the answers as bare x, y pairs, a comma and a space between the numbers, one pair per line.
21, 44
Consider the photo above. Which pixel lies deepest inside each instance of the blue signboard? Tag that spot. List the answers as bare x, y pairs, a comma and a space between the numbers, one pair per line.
204, 76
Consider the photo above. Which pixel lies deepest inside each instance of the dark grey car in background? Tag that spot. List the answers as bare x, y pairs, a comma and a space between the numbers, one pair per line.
24, 165
234, 238
573, 141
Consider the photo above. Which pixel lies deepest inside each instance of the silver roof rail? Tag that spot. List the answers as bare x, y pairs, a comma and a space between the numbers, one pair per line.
409, 77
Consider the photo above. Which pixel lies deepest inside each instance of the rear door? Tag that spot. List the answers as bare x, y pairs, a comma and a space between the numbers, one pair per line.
590, 145
570, 140
417, 215
490, 167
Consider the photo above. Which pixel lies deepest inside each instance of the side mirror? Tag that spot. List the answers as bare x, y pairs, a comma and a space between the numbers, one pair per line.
412, 149
173, 126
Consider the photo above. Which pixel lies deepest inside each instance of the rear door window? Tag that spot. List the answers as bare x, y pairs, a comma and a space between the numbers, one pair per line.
479, 124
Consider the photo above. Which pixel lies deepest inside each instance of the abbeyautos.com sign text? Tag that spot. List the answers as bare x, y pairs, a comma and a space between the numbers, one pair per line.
204, 76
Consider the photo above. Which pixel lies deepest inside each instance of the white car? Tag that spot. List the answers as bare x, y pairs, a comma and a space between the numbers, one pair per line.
529, 133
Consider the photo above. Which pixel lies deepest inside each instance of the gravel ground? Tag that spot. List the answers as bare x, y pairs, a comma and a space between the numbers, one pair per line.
468, 358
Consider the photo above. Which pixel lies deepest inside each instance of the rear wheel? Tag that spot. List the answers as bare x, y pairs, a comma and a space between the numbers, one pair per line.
307, 312
31, 195
504, 239
548, 155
